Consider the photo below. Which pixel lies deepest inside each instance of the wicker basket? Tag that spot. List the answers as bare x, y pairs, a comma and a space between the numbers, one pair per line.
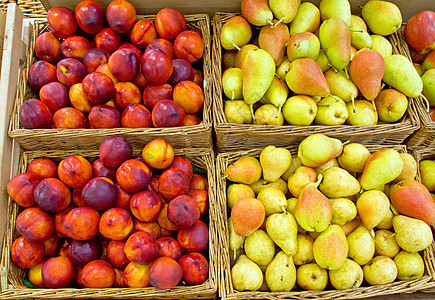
30, 9
234, 137
226, 290
198, 136
12, 284
420, 154
425, 135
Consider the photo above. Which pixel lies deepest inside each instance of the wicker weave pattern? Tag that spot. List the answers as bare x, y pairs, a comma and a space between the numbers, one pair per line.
234, 137
30, 9
11, 274
425, 135
188, 136
226, 290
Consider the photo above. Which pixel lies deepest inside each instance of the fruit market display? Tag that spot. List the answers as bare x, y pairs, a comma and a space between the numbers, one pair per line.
332, 213
102, 68
293, 63
116, 221
420, 35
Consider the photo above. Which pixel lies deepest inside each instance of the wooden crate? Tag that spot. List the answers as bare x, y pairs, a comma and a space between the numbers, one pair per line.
12, 277
233, 137
226, 290
36, 139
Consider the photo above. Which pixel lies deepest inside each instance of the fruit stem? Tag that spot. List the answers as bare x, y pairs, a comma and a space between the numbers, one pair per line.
356, 30
346, 142
232, 95
319, 179
237, 47
353, 102
277, 76
279, 111
335, 98
252, 112
347, 73
382, 86
374, 105
284, 211
242, 242
224, 177
426, 101
391, 235
335, 69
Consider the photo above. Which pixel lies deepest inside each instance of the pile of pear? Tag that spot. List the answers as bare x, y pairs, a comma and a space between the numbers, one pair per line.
333, 216
315, 65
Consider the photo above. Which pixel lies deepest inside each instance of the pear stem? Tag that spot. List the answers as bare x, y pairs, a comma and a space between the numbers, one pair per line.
284, 211
279, 111
426, 101
391, 235
224, 177
235, 255
271, 24
382, 86
252, 112
347, 73
285, 46
335, 98
353, 102
279, 77
346, 142
382, 249
242, 242
356, 30
319, 179
335, 69
374, 105
232, 95
237, 47
392, 211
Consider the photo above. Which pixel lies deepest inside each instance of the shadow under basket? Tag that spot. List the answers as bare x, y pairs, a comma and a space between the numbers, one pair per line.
198, 136
234, 137
226, 289
13, 278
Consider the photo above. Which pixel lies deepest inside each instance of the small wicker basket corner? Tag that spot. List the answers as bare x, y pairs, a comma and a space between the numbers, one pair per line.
198, 136
12, 277
30, 9
419, 155
226, 290
425, 135
234, 137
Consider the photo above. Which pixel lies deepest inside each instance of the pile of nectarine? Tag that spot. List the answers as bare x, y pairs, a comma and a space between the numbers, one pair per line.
102, 68
120, 221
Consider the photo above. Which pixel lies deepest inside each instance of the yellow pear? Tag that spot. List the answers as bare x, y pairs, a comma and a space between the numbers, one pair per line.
380, 270
294, 164
300, 179
410, 266
409, 167
259, 247
232, 83
385, 243
291, 204
387, 221
330, 248
261, 184
337, 182
354, 157
274, 162
318, 149
361, 245
246, 275
237, 191
245, 170
343, 211
349, 276
372, 208
332, 163
273, 199
241, 55
412, 235
427, 169
283, 230
305, 250
281, 273
312, 277
235, 239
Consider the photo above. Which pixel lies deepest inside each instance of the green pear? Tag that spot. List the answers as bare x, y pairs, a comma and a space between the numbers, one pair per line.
234, 239
281, 273
259, 247
340, 85
354, 157
385, 243
337, 182
291, 204
335, 8
313, 210
284, 10
322, 61
359, 36
409, 167
372, 207
362, 112
283, 68
332, 163
361, 245
258, 71
380, 270
261, 184
246, 275
273, 39
343, 211
237, 111
303, 44
295, 163
427, 169
299, 110
330, 248
381, 45
428, 79
232, 83
241, 55
311, 277
235, 33
268, 114
317, 149
283, 230
391, 105
257, 12
401, 75
245, 170
381, 167
237, 191
350, 275
331, 111
277, 93
387, 221
412, 235
382, 17
305, 77
273, 199
305, 250
307, 19
274, 162
335, 39
410, 266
